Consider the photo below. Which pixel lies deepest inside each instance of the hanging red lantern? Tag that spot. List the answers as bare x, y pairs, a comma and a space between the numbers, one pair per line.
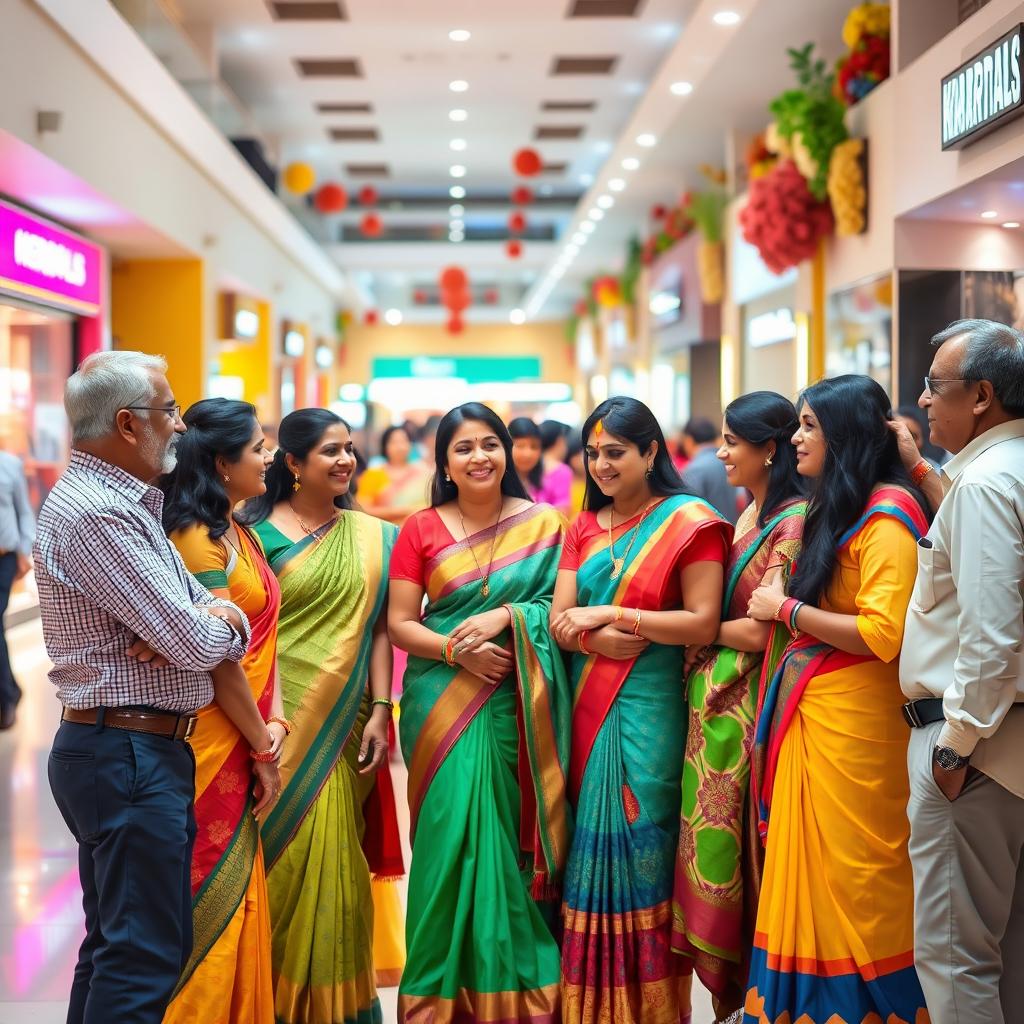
419, 297
367, 196
371, 318
517, 222
371, 225
527, 162
330, 198
491, 296
456, 325
456, 300
452, 279
658, 212
513, 249
522, 196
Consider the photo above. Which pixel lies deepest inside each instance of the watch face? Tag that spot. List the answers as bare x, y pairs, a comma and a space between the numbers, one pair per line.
949, 759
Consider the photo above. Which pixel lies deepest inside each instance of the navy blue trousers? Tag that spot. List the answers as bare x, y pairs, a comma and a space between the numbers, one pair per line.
10, 692
127, 798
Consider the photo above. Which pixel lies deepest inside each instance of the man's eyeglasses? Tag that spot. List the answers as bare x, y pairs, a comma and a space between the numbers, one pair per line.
930, 382
173, 411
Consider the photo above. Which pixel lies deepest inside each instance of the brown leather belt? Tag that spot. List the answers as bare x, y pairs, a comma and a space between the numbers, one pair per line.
158, 723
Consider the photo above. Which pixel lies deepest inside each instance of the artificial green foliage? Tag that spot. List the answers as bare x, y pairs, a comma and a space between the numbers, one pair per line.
811, 116
631, 271
707, 211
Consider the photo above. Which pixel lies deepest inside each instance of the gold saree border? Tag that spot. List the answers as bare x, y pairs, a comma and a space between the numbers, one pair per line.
533, 1006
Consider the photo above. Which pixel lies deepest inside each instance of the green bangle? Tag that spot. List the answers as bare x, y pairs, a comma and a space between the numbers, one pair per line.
385, 702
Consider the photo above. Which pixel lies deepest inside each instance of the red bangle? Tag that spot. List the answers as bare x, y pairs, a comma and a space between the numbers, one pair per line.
785, 613
920, 471
264, 756
581, 640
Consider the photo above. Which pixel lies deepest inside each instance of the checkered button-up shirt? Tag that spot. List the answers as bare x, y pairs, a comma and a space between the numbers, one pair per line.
107, 574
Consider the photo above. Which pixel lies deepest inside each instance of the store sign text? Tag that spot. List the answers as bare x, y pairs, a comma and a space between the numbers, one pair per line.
41, 262
983, 93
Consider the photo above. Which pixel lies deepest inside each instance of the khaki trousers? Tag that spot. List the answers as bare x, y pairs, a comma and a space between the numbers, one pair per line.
969, 893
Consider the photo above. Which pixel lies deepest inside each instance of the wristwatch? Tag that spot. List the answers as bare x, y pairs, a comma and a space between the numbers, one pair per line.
948, 759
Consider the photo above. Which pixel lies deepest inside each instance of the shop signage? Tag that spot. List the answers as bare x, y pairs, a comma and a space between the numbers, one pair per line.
472, 369
769, 328
44, 263
983, 93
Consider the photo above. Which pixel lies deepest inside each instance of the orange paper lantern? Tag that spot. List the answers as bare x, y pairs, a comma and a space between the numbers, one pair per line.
330, 198
456, 325
517, 222
452, 279
522, 196
457, 300
371, 225
367, 196
514, 249
527, 162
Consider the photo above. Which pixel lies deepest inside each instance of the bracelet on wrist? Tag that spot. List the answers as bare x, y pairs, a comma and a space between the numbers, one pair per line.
283, 722
581, 640
384, 702
636, 623
920, 471
263, 756
619, 612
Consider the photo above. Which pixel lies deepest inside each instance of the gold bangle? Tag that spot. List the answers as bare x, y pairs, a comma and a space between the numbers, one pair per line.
619, 611
283, 722
636, 624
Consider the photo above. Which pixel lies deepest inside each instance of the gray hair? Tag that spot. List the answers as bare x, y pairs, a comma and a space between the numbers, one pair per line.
994, 352
105, 383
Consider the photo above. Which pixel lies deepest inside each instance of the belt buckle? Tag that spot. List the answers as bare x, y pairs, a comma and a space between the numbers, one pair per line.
911, 716
191, 727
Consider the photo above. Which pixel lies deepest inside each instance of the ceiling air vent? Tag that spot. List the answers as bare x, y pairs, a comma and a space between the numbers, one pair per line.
551, 131
306, 10
604, 8
353, 134
344, 108
567, 106
583, 65
368, 170
340, 68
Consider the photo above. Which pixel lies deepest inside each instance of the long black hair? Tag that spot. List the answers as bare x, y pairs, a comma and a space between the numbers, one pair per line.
632, 421
441, 490
853, 412
760, 418
523, 426
193, 490
297, 435
551, 432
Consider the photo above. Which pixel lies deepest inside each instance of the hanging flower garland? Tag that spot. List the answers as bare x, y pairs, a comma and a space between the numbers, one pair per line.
847, 188
866, 35
707, 211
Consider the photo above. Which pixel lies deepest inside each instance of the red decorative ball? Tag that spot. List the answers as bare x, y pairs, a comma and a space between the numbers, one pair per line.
330, 198
419, 297
456, 301
456, 325
371, 225
367, 196
659, 212
491, 296
371, 318
527, 162
522, 196
517, 222
514, 249
452, 279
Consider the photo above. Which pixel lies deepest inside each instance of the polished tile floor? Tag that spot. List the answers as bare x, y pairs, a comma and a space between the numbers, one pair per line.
41, 920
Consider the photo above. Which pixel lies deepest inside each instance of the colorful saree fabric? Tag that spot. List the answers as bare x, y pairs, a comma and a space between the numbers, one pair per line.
834, 941
228, 977
487, 770
331, 826
628, 740
718, 862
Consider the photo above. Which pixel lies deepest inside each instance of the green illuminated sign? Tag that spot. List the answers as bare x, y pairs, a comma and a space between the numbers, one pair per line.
472, 369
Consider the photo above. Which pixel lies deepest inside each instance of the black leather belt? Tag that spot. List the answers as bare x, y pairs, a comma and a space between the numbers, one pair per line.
917, 713
157, 723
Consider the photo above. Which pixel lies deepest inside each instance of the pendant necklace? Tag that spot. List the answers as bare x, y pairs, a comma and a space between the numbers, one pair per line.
618, 564
485, 589
306, 530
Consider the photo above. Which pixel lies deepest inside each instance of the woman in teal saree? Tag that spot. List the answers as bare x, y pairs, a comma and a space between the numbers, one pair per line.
484, 730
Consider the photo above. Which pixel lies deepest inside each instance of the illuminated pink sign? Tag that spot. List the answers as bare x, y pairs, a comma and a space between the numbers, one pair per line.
43, 263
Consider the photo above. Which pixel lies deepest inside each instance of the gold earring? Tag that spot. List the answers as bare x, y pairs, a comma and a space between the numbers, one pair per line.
298, 483
227, 479
768, 461
650, 471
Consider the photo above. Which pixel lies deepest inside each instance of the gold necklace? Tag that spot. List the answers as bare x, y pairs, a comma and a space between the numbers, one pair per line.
306, 530
618, 564
485, 590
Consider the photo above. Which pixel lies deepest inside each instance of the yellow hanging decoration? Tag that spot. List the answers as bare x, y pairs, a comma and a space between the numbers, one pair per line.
299, 178
847, 189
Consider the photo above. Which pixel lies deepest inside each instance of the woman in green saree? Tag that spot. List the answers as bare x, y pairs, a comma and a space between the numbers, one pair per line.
334, 822
484, 732
717, 878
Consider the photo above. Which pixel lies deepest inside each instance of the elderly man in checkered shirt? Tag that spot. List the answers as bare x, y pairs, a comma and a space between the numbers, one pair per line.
134, 639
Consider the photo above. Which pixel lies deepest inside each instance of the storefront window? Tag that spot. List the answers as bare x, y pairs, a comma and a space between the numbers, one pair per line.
859, 331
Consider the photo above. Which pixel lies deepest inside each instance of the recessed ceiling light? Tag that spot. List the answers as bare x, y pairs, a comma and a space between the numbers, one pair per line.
647, 140
630, 163
680, 88
456, 236
726, 18
579, 238
517, 316
586, 179
459, 85
458, 35
458, 114
457, 192
393, 317
457, 144
456, 225
606, 202
1011, 224
457, 171
595, 213
616, 184
588, 226
571, 250
456, 210
990, 214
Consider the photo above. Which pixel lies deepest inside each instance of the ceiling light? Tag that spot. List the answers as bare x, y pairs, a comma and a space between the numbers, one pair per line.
726, 18
456, 225
457, 171
990, 214
456, 210
579, 238
586, 179
595, 213
630, 163
647, 140
456, 236
393, 317
458, 35
680, 88
458, 114
571, 250
457, 144
517, 316
459, 85
616, 184
606, 202
1011, 224
588, 226
457, 192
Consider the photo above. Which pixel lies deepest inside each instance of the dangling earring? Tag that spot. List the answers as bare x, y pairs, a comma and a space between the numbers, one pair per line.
768, 461
447, 479
298, 484
227, 479
650, 471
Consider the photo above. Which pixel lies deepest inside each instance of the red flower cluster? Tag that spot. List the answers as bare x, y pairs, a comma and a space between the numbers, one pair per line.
866, 66
782, 220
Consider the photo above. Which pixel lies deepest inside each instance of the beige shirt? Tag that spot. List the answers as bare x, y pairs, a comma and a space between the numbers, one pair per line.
964, 637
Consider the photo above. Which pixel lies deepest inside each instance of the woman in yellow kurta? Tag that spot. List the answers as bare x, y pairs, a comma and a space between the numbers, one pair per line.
834, 938
221, 461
